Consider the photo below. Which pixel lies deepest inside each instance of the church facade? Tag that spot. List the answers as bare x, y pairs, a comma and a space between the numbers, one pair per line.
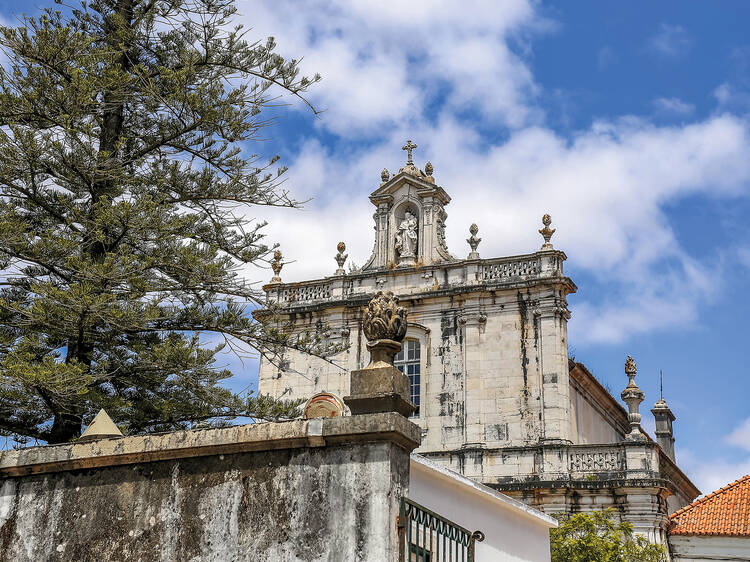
486, 351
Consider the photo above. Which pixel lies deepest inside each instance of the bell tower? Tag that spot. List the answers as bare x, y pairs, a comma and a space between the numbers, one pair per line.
409, 218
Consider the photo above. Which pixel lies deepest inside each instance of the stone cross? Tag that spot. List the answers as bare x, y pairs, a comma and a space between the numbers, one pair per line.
408, 147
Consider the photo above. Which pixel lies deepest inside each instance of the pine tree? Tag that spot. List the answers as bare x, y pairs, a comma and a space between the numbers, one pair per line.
124, 187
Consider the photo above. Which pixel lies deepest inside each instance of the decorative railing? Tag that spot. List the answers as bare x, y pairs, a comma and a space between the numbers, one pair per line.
492, 271
506, 270
303, 293
596, 459
425, 536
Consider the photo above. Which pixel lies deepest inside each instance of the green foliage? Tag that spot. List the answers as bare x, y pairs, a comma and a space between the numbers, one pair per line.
595, 537
124, 192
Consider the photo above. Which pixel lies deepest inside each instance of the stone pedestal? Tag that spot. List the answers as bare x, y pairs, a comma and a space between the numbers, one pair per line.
379, 389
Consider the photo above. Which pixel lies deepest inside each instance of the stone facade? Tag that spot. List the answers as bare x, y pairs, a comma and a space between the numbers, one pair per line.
499, 400
312, 490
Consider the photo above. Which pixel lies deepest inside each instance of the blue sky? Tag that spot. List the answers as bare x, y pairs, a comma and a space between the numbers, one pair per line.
629, 122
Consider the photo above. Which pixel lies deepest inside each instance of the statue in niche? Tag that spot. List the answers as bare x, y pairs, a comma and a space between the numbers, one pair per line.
406, 238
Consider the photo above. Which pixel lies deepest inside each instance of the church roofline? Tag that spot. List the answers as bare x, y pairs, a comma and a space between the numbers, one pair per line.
543, 267
598, 392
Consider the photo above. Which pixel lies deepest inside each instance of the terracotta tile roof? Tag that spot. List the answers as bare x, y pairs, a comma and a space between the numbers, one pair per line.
723, 512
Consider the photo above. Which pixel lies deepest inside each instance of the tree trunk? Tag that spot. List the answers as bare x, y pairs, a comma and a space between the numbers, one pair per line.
64, 428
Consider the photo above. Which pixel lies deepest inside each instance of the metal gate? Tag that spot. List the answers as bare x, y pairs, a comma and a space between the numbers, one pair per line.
425, 536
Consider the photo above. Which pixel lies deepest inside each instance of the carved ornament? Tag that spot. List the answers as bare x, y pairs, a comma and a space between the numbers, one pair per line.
384, 318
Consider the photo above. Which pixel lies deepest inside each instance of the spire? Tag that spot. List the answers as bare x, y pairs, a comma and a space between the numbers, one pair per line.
633, 396
101, 427
664, 417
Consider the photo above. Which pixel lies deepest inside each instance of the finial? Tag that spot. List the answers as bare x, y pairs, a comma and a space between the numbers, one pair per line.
276, 265
341, 258
384, 325
547, 232
473, 242
633, 396
385, 175
630, 368
408, 147
381, 387
428, 168
661, 385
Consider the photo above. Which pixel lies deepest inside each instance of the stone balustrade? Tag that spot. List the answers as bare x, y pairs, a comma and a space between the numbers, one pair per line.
557, 463
493, 273
596, 459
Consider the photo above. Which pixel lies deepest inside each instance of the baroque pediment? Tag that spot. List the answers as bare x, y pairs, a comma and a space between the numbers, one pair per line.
422, 187
410, 218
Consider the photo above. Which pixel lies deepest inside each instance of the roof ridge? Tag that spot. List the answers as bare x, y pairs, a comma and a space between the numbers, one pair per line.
709, 496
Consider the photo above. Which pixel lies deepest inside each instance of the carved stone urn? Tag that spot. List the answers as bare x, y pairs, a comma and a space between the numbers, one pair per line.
381, 387
384, 326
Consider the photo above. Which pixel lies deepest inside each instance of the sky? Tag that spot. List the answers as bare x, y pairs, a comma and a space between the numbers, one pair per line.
628, 122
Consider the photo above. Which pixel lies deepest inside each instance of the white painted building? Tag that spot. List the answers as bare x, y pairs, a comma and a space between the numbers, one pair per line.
513, 531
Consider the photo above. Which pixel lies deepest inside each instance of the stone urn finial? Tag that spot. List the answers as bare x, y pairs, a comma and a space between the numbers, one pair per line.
384, 326
473, 242
276, 265
341, 258
547, 232
633, 396
381, 387
428, 171
385, 175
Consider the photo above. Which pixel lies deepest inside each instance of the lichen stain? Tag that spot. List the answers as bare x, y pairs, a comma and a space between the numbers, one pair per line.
527, 417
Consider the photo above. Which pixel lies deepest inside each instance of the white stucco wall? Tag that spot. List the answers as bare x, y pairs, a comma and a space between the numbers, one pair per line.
700, 549
513, 531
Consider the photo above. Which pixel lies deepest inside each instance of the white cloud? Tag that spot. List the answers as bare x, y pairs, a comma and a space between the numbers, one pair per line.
605, 190
670, 41
384, 63
674, 106
710, 473
444, 76
740, 436
731, 98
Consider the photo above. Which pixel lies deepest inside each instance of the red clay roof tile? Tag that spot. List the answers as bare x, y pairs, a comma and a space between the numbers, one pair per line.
723, 512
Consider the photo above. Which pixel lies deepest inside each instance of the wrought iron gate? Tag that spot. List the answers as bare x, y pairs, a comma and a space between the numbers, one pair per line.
425, 536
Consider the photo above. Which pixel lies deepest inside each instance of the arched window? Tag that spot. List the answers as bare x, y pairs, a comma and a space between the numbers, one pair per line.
408, 362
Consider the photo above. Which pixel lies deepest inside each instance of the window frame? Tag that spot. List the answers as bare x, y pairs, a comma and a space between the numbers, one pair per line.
403, 365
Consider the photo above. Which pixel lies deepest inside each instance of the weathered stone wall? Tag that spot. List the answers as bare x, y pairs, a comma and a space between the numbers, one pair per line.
494, 363
329, 492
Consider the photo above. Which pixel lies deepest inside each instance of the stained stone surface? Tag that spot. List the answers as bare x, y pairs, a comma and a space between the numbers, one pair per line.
293, 497
500, 399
